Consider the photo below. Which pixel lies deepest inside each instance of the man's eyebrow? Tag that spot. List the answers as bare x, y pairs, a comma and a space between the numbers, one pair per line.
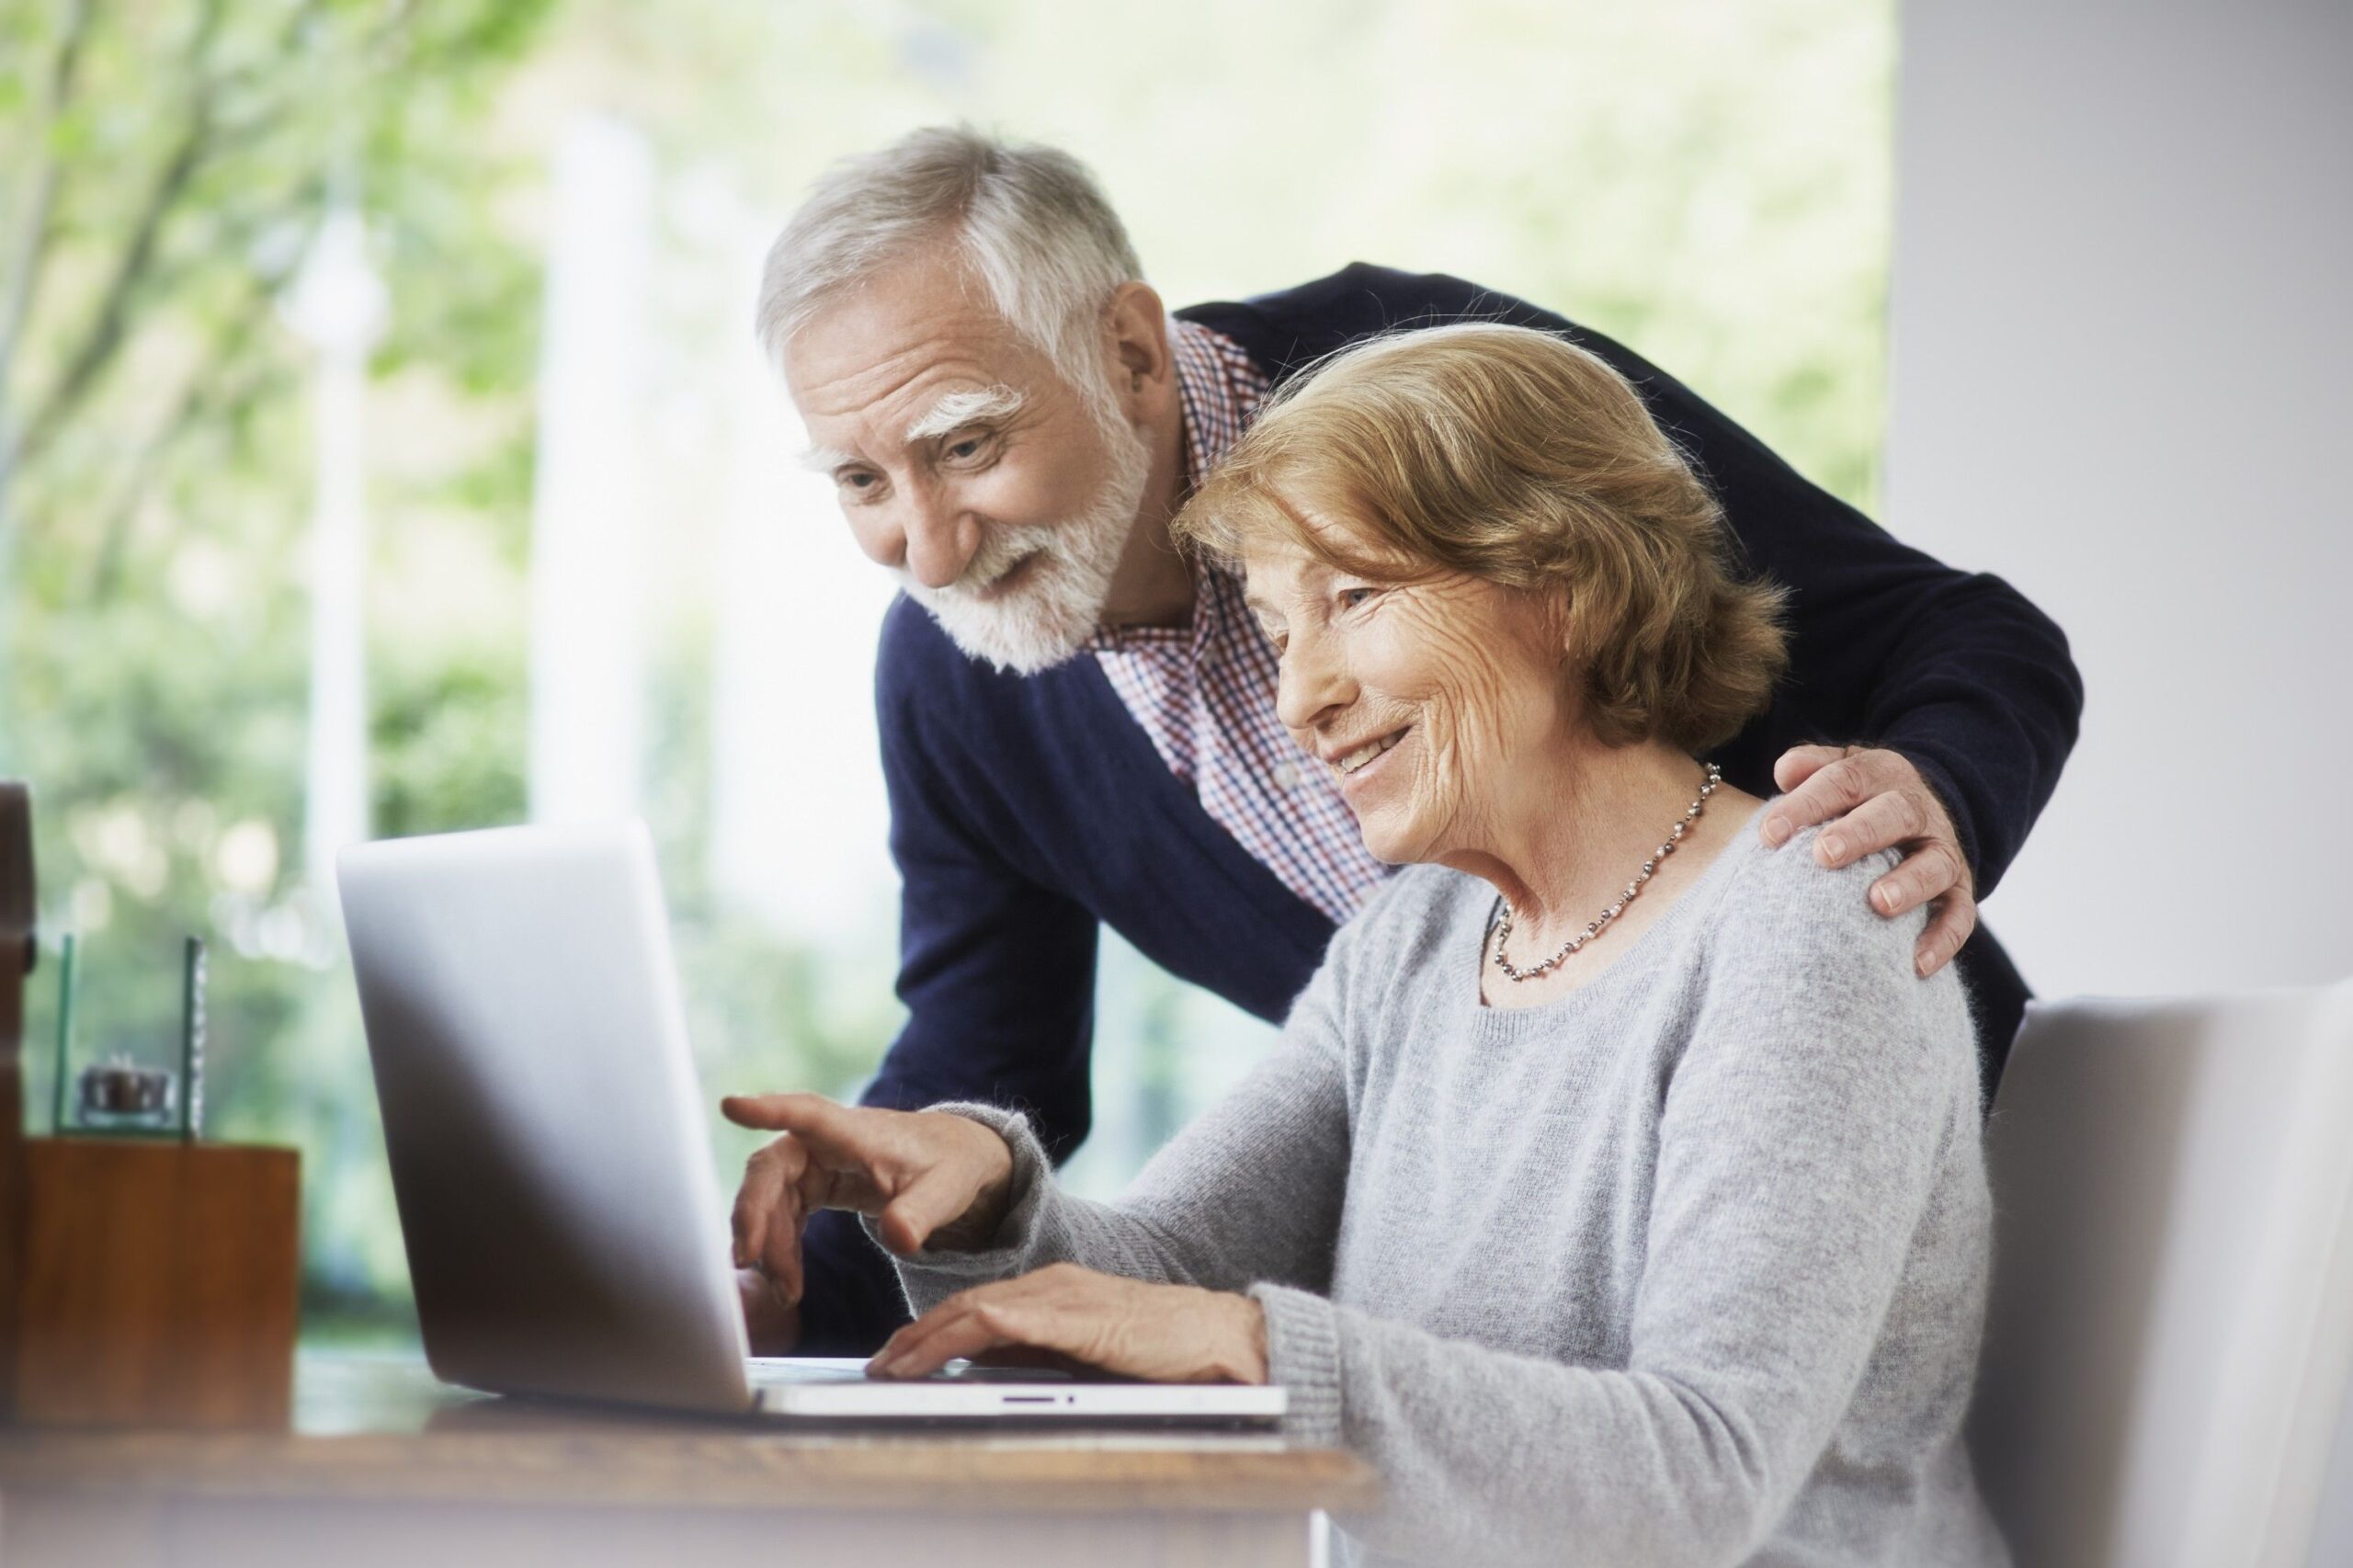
957, 409
824, 460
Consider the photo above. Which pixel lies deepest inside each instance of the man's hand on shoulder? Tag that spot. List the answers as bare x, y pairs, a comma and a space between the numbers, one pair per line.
1870, 799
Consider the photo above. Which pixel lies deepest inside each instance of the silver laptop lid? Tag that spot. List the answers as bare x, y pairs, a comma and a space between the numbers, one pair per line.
565, 1232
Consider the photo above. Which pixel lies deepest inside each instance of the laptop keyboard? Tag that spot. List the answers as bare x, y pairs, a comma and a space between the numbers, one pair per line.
775, 1371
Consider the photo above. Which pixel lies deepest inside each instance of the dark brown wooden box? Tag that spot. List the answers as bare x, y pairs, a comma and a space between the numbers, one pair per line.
159, 1283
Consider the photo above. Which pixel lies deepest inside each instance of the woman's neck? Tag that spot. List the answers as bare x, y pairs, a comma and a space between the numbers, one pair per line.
1565, 839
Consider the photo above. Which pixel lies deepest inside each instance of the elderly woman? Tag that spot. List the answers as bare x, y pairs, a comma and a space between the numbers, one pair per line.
1615, 1187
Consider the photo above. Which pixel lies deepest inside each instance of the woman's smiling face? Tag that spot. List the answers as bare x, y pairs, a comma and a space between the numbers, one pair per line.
1418, 695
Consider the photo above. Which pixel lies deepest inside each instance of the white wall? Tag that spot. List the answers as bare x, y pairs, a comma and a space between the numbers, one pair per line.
2123, 378
2122, 328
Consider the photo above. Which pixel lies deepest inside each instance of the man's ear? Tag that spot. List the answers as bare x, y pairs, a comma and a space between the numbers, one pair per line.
1138, 324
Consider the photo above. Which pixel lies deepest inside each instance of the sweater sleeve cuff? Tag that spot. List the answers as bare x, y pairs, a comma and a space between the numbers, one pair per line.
935, 1274
1303, 1358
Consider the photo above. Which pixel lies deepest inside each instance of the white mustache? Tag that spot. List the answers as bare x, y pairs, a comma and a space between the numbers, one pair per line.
1001, 551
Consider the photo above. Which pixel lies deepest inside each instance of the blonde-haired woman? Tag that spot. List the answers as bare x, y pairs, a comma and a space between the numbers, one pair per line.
1616, 1185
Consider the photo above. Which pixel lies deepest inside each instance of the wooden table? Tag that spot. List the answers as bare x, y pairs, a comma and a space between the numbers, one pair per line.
382, 1465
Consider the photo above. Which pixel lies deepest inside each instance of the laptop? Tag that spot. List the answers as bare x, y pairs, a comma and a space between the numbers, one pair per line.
565, 1231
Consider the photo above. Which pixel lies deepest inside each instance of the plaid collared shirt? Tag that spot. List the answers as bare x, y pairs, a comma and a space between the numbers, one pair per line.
1205, 693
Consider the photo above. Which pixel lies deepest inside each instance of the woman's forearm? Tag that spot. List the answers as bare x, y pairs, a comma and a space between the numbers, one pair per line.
1037, 1224
1250, 1191
1020, 1230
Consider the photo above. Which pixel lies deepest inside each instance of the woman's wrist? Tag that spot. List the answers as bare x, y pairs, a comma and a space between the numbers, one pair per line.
994, 1200
1243, 1335
993, 1159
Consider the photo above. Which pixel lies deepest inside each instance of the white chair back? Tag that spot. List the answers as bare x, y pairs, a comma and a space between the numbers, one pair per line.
2171, 1337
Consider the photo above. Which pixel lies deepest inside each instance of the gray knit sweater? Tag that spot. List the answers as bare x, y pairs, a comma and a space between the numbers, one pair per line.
1686, 1266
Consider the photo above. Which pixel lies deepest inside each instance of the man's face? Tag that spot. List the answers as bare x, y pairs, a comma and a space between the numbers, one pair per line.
966, 463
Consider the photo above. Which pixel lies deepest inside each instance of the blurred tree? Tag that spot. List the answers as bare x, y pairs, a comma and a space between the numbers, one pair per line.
164, 164
168, 163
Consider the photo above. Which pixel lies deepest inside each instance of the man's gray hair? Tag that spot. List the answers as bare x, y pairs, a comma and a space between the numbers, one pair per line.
1031, 223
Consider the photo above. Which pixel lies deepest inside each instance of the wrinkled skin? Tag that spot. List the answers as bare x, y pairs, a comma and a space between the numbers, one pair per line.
1169, 1334
866, 369
1465, 673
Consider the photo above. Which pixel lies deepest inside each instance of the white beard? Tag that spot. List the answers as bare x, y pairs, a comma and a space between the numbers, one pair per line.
1054, 611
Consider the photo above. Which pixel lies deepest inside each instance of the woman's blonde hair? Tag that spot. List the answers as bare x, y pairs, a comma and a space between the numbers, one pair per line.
1506, 453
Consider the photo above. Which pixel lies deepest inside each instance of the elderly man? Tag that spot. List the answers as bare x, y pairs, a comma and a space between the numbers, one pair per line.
1078, 723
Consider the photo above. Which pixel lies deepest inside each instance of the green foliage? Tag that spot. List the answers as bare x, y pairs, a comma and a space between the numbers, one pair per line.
447, 737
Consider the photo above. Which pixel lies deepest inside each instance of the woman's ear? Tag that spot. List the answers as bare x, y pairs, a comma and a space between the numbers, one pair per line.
1560, 623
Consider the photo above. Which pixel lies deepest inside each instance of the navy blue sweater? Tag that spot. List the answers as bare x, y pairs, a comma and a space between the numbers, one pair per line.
1027, 811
